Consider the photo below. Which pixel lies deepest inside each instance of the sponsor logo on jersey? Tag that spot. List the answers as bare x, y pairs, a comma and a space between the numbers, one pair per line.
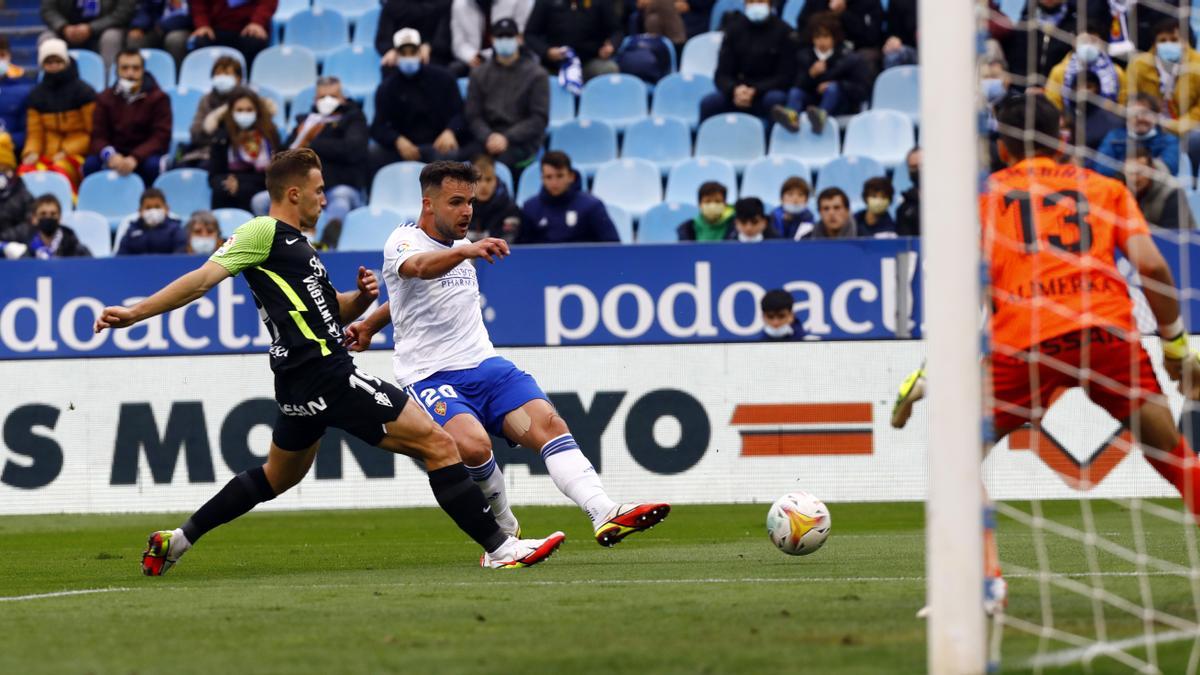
278, 352
308, 409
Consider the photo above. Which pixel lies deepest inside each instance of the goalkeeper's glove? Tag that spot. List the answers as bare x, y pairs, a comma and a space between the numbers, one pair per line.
1182, 364
911, 391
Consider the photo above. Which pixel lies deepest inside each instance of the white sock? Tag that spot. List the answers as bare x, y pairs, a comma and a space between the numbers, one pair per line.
575, 477
179, 543
490, 480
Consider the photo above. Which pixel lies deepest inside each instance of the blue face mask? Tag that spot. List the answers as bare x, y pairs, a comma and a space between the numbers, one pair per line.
993, 89
1169, 52
409, 65
505, 47
1087, 53
758, 12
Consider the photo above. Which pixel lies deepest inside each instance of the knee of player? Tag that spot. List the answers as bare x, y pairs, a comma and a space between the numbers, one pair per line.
556, 425
439, 444
474, 448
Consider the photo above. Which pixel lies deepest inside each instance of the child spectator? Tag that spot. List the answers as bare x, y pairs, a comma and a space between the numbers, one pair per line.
779, 317
59, 116
713, 221
52, 239
750, 222
793, 207
875, 221
154, 230
495, 214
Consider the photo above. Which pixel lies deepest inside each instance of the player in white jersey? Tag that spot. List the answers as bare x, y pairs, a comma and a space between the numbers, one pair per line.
446, 359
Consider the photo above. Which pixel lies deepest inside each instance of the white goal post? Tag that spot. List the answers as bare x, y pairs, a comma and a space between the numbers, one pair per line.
950, 241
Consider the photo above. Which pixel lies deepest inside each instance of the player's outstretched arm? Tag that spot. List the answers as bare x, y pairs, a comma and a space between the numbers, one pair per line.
172, 296
1159, 286
359, 333
351, 304
435, 264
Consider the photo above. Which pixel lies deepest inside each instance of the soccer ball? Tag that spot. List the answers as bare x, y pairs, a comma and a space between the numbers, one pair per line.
798, 523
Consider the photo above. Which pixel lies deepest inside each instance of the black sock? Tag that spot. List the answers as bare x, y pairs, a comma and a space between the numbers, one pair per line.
463, 501
242, 493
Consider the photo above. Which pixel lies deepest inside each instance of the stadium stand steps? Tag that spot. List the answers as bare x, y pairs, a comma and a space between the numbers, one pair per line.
21, 21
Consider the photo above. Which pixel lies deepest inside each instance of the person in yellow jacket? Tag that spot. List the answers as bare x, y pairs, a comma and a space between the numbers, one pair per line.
1089, 56
58, 117
1170, 72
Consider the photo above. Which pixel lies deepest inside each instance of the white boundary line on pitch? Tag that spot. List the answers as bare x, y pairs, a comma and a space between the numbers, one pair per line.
1090, 652
61, 594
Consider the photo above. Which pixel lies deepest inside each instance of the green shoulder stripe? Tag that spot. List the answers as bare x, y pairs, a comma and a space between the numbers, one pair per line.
248, 246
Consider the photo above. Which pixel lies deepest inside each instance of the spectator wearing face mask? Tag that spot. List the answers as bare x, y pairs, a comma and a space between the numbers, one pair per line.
908, 214
1159, 196
469, 34
131, 126
336, 130
240, 155
750, 224
1039, 48
833, 205
755, 65
779, 317
830, 79
714, 222
495, 214
226, 77
154, 230
59, 116
1089, 56
418, 109
431, 20
1171, 72
203, 233
508, 102
50, 238
875, 221
793, 207
1144, 131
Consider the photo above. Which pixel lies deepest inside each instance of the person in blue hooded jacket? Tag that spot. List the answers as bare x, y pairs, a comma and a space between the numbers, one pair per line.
562, 213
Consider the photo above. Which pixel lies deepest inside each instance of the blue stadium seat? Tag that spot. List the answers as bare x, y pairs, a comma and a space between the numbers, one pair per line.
230, 219
885, 135
111, 195
196, 70
320, 30
353, 10
815, 150
529, 184
187, 190
765, 176
366, 27
619, 100
280, 116
684, 180
158, 63
665, 141
901, 181
635, 185
301, 105
679, 94
849, 172
736, 137
397, 187
589, 143
184, 101
504, 175
660, 224
720, 8
90, 66
48, 182
285, 68
1193, 198
562, 104
368, 228
622, 221
357, 67
791, 12
463, 83
284, 10
700, 54
667, 45
1013, 8
898, 89
93, 231
369, 108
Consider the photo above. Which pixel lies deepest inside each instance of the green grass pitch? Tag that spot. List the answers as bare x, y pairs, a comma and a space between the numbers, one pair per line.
400, 591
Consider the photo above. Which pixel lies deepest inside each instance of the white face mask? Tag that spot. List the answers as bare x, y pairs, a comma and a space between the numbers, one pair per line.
224, 83
750, 238
793, 209
3, 182
878, 205
823, 54
126, 86
154, 217
778, 331
204, 245
245, 119
4, 64
326, 105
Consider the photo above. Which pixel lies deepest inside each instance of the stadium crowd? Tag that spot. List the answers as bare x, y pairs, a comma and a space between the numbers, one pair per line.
150, 123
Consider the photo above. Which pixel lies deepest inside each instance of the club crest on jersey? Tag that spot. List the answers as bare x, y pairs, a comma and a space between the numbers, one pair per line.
572, 218
440, 408
382, 399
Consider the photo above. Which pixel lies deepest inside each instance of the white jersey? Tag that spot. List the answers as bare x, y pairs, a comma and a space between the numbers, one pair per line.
438, 322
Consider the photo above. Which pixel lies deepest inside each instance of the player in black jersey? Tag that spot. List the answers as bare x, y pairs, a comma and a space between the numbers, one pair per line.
316, 383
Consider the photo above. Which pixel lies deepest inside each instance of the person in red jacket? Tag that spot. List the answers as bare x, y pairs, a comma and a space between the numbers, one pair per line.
131, 125
241, 24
